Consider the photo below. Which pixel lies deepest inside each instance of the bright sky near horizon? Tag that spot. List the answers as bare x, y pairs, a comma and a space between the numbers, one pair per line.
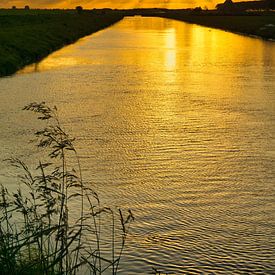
90, 4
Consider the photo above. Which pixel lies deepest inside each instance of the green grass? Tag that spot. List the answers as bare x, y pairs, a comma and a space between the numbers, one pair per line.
246, 24
28, 36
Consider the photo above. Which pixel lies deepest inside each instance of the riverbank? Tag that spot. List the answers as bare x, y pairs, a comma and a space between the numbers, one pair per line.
28, 36
250, 24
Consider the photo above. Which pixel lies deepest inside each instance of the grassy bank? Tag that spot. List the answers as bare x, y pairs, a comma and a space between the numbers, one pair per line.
28, 36
259, 25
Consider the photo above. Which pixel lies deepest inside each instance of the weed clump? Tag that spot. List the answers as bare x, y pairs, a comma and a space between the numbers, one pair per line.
39, 232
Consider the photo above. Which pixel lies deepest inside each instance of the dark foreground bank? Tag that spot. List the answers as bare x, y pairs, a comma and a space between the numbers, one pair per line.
250, 24
27, 37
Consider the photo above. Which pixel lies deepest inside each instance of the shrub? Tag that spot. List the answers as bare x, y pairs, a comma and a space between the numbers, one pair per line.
79, 9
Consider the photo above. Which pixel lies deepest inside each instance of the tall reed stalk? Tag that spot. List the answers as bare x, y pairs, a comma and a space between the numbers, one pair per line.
39, 234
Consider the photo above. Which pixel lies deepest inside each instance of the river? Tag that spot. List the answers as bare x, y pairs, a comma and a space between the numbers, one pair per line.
174, 121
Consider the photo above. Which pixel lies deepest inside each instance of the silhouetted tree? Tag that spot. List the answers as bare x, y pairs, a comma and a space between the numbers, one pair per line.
14, 7
228, 6
79, 9
198, 9
27, 7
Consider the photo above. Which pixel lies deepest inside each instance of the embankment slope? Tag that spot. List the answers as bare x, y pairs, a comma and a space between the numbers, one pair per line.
27, 37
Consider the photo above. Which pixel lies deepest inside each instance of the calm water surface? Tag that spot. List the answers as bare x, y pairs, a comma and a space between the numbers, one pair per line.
174, 121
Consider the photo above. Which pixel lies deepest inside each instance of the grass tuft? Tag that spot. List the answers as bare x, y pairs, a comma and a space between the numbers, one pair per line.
39, 234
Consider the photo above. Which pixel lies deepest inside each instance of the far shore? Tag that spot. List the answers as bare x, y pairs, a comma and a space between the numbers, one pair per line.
260, 25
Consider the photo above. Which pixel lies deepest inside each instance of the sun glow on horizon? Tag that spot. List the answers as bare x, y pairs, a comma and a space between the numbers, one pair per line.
118, 4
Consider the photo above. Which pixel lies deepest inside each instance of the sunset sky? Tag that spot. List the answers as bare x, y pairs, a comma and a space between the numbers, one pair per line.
89, 4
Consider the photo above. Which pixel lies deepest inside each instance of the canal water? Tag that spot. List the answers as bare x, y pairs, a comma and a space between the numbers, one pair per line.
174, 121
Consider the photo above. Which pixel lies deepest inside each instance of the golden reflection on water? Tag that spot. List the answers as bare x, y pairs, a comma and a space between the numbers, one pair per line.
171, 54
176, 122
183, 46
190, 54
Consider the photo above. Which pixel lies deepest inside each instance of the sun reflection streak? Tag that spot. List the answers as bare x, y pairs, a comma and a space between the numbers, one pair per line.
170, 53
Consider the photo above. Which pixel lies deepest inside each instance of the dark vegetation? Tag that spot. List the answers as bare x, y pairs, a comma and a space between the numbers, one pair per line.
54, 223
26, 36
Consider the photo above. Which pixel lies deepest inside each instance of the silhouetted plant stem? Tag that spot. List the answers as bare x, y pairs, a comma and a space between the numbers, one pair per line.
55, 242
